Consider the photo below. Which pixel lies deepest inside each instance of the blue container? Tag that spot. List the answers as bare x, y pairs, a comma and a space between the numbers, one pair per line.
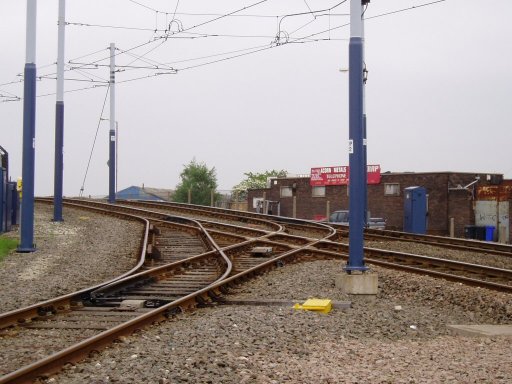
480, 232
3, 200
415, 210
489, 232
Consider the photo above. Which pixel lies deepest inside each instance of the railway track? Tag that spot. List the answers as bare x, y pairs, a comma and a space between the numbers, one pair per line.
95, 317
342, 231
190, 260
440, 241
300, 233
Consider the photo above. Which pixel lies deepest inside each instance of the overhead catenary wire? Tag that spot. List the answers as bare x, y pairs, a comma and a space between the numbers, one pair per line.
302, 39
75, 90
189, 14
166, 36
142, 57
215, 19
86, 74
8, 93
143, 5
195, 34
307, 13
307, 5
250, 50
413, 7
94, 142
175, 9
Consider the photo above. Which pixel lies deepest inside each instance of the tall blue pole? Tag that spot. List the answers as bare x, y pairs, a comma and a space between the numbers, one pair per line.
357, 165
59, 118
112, 167
112, 131
29, 133
365, 140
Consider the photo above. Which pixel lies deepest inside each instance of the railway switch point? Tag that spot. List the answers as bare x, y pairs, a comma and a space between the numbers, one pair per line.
132, 304
365, 283
261, 251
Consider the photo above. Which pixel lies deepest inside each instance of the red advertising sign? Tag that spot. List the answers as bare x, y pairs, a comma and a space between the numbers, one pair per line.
340, 175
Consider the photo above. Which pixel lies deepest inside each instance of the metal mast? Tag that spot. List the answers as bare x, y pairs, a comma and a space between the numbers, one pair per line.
112, 131
29, 133
59, 118
357, 191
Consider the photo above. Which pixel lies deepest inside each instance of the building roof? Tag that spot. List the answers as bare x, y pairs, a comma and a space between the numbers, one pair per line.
144, 193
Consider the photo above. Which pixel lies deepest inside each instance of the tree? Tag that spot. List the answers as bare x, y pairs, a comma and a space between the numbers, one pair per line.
200, 180
256, 181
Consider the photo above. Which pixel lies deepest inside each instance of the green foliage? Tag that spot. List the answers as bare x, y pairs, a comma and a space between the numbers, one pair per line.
256, 181
6, 245
200, 180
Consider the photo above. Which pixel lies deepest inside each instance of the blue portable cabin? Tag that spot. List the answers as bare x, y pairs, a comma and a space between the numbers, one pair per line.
415, 210
8, 195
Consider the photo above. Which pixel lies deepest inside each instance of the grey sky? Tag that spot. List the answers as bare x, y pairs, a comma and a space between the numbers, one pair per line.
438, 95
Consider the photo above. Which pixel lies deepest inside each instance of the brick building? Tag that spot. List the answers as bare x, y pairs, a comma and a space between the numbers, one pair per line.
450, 195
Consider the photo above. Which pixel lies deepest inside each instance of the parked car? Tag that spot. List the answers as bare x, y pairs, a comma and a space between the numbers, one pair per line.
342, 217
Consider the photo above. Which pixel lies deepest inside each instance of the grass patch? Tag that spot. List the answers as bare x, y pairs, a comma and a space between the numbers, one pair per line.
6, 245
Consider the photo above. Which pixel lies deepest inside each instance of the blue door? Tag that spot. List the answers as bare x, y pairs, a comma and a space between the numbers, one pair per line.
415, 210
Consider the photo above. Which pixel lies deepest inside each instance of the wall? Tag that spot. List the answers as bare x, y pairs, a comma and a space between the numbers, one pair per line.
447, 198
498, 193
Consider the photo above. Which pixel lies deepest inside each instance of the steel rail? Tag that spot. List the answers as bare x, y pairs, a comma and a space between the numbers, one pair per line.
491, 272
448, 242
54, 362
306, 250
372, 254
165, 268
417, 259
414, 269
29, 372
214, 210
198, 210
65, 301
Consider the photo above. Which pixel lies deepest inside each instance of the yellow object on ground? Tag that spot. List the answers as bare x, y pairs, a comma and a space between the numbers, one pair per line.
319, 305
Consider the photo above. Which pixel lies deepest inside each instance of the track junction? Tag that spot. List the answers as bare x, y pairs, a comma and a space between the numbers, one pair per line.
191, 256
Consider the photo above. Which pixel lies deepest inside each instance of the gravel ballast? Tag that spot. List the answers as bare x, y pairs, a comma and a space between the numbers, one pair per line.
400, 336
83, 250
371, 342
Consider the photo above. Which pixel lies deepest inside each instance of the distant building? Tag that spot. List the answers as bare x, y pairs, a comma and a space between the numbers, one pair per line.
144, 193
452, 197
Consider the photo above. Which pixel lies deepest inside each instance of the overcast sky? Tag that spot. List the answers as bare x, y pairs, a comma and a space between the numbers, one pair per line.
438, 97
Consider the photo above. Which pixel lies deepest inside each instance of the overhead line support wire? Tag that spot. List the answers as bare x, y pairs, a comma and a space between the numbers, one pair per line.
94, 142
184, 30
405, 9
142, 5
295, 40
307, 13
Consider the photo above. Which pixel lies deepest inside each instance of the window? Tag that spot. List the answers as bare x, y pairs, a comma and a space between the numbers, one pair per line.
318, 191
392, 189
257, 202
286, 192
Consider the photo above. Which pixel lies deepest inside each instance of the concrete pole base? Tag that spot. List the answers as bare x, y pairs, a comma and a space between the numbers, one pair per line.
358, 283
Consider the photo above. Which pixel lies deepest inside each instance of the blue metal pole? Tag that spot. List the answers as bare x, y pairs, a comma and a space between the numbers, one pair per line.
357, 194
365, 141
112, 167
112, 132
29, 136
365, 159
59, 119
59, 161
